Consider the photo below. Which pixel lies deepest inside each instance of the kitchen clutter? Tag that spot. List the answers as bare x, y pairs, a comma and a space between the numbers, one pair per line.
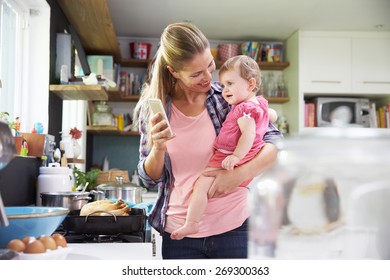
259, 51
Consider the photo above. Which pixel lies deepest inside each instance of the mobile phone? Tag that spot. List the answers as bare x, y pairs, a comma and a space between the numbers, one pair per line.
157, 107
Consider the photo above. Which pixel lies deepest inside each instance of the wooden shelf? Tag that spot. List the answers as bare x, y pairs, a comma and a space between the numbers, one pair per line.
109, 130
263, 65
144, 63
114, 95
75, 160
277, 99
79, 92
138, 63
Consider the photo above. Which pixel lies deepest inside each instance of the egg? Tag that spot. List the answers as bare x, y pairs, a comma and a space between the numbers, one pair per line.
16, 245
35, 247
48, 242
60, 240
28, 239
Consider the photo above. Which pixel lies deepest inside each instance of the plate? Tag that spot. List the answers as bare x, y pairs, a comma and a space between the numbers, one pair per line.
58, 254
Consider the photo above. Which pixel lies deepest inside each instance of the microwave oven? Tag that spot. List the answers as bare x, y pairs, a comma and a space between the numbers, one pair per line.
342, 111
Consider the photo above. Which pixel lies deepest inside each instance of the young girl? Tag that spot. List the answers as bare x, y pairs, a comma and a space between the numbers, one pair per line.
241, 136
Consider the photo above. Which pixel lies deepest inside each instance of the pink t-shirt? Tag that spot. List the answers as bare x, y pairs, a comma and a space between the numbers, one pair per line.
190, 152
230, 133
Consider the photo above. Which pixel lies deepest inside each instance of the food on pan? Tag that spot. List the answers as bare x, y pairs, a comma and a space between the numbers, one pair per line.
105, 208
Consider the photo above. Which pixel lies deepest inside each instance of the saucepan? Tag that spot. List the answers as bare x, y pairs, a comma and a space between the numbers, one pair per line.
74, 201
128, 192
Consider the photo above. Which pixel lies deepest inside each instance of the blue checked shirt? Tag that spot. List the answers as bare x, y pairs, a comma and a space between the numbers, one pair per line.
217, 108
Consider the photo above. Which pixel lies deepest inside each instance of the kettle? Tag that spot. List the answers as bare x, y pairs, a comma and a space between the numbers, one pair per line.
307, 205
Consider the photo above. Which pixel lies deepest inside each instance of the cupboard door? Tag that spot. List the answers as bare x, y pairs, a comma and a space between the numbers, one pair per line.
371, 65
325, 65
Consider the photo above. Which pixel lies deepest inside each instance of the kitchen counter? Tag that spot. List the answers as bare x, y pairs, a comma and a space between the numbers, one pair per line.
117, 251
111, 251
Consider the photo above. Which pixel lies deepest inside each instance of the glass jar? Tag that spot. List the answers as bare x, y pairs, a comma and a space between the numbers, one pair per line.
103, 115
327, 197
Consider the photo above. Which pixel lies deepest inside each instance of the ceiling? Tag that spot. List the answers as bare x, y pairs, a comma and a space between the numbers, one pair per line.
248, 19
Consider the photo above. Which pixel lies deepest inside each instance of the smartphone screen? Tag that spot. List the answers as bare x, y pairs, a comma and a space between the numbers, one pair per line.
157, 107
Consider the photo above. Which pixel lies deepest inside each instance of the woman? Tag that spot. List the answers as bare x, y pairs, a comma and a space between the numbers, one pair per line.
181, 77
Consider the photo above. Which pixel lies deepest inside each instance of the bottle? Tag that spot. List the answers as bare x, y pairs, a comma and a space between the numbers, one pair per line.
271, 85
43, 161
135, 178
281, 87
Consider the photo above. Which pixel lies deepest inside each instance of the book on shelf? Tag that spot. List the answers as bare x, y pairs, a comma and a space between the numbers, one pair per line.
379, 115
310, 113
372, 114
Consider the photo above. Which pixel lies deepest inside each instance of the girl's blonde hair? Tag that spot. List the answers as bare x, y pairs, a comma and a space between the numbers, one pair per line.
179, 43
248, 69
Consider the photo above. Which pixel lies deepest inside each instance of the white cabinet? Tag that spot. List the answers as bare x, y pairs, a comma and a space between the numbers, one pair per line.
343, 64
325, 64
371, 65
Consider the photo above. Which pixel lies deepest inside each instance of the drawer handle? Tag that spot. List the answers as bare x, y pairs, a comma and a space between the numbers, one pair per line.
327, 82
379, 82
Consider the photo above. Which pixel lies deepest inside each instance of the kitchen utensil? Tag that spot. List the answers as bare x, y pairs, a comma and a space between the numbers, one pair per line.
135, 222
128, 192
7, 153
97, 195
53, 179
31, 221
74, 201
85, 187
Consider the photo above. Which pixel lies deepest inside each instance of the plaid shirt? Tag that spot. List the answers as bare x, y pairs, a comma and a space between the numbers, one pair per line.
217, 108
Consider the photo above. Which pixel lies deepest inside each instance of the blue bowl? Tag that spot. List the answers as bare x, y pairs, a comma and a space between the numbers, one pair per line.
31, 221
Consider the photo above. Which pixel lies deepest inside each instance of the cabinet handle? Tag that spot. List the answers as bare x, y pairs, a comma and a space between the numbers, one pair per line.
327, 82
379, 82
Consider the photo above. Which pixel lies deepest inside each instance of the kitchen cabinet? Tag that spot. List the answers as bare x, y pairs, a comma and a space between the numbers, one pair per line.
325, 64
371, 65
344, 64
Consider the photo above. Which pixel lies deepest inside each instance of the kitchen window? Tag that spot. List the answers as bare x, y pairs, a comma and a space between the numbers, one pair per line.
24, 60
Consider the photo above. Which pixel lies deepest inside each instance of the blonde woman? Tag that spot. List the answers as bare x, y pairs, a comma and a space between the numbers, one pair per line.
181, 76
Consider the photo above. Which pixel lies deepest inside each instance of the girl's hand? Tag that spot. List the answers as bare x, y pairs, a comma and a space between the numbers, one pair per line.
230, 161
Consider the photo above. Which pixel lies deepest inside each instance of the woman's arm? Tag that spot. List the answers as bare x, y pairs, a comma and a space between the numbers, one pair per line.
225, 181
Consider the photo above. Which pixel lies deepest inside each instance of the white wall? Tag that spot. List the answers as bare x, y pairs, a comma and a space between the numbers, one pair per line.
35, 75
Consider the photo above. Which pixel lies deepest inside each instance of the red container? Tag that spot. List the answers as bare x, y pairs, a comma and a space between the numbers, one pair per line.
140, 50
227, 51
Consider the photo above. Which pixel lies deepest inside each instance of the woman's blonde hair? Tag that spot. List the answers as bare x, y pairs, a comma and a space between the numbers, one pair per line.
248, 69
179, 43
